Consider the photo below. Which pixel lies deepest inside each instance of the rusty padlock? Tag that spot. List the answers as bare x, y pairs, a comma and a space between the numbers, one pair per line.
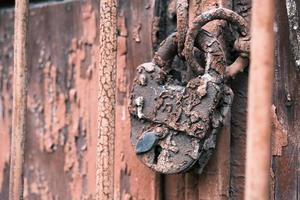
175, 126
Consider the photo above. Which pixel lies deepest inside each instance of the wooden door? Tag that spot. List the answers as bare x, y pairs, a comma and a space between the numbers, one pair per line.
60, 157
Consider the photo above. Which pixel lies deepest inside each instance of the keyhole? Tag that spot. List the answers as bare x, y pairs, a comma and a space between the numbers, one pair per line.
157, 151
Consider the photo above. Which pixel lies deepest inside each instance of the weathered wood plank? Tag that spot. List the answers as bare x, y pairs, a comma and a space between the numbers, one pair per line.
60, 149
133, 180
286, 99
62, 121
174, 187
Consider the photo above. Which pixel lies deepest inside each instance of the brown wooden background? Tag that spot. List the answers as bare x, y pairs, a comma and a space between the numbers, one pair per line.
62, 105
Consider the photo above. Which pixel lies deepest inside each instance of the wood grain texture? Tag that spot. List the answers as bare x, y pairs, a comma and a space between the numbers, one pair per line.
286, 99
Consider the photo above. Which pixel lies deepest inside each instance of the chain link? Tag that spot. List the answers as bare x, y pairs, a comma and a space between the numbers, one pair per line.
182, 23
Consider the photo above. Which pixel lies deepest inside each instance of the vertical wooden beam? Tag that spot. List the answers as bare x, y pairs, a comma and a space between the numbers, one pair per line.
286, 97
106, 99
19, 101
259, 100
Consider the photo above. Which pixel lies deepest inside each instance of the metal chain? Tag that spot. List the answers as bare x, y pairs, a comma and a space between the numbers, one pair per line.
242, 44
182, 23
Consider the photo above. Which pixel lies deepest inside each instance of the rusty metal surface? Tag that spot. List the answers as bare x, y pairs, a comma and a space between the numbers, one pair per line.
178, 150
208, 16
182, 22
175, 125
188, 186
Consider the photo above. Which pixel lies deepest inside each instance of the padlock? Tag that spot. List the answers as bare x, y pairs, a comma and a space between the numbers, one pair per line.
175, 126
171, 123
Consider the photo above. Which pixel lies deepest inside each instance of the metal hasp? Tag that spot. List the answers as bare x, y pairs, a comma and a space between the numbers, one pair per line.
175, 124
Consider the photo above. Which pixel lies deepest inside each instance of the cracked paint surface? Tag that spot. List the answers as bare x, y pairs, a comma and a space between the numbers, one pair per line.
61, 119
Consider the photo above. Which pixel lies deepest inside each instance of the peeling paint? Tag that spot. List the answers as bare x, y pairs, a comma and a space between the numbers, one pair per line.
136, 33
61, 118
53, 110
79, 119
279, 135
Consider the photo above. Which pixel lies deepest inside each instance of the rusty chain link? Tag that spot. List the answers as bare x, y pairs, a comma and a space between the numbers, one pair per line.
214, 14
241, 45
182, 23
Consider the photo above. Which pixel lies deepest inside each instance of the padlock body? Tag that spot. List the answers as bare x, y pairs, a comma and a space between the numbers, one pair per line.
179, 116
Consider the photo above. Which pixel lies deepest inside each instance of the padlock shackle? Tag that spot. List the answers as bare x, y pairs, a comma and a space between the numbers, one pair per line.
219, 14
204, 41
166, 52
204, 18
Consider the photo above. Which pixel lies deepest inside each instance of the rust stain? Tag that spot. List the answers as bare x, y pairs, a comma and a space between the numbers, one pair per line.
279, 135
